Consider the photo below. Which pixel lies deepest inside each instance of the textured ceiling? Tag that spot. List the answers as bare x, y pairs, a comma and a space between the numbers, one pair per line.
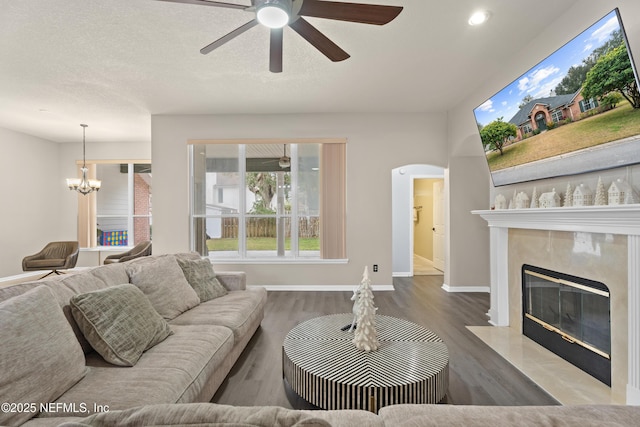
114, 63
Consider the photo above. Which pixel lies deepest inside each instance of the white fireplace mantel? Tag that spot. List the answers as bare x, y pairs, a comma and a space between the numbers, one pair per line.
623, 220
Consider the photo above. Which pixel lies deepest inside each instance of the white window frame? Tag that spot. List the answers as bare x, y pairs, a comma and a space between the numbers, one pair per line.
87, 208
330, 253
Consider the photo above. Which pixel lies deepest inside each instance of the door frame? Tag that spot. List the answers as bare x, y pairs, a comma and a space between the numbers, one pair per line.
412, 227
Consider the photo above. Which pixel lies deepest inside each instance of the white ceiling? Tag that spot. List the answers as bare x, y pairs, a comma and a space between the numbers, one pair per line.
114, 63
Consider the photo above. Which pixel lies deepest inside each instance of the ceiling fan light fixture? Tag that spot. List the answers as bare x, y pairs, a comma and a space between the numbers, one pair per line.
284, 162
479, 18
273, 13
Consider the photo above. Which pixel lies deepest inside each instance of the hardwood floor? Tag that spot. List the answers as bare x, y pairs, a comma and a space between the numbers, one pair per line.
477, 374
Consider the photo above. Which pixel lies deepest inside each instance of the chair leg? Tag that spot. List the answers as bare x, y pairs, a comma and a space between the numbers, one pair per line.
52, 272
48, 274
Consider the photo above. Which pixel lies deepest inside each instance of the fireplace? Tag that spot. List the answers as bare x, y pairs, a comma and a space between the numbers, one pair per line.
570, 316
601, 243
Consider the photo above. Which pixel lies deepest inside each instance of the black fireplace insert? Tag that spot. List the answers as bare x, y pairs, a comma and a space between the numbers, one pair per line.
570, 316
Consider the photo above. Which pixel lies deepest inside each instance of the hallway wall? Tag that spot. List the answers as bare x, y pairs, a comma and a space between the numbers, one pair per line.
423, 227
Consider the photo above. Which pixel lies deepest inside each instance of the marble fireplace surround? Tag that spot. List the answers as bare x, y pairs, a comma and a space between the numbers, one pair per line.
596, 242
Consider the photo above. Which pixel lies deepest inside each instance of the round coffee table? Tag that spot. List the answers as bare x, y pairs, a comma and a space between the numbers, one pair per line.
324, 367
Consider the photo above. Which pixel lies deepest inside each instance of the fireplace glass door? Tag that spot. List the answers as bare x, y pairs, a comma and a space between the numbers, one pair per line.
567, 313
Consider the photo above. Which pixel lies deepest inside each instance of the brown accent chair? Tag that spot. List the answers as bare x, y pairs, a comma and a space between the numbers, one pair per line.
141, 249
55, 256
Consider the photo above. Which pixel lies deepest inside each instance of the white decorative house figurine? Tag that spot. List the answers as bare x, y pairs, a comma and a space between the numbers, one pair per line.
582, 196
568, 196
550, 199
522, 200
366, 336
534, 198
500, 202
630, 197
620, 192
601, 195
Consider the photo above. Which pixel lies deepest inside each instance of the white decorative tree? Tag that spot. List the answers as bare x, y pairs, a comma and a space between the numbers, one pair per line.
366, 336
534, 198
601, 194
568, 196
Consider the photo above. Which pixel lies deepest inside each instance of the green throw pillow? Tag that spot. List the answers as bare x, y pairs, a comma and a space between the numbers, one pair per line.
200, 275
119, 322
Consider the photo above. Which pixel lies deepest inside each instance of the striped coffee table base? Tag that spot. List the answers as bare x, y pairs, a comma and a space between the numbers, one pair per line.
323, 366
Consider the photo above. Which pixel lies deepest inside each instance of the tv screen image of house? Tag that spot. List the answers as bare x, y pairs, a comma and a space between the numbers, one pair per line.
576, 111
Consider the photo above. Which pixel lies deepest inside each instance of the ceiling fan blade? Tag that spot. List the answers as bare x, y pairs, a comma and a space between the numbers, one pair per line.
318, 40
275, 51
233, 34
209, 3
352, 12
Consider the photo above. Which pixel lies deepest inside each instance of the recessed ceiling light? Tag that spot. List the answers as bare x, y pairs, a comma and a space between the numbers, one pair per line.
479, 18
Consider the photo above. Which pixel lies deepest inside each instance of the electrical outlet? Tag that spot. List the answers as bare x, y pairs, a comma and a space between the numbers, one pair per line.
375, 268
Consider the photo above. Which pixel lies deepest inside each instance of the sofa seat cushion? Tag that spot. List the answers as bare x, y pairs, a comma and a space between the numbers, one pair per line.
173, 371
119, 322
238, 311
40, 357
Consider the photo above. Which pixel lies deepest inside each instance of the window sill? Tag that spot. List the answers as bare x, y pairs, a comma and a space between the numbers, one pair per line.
296, 261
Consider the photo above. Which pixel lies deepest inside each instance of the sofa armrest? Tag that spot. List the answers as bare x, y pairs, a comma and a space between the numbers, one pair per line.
233, 280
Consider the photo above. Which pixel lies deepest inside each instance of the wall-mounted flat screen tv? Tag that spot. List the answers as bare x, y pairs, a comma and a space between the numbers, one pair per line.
576, 111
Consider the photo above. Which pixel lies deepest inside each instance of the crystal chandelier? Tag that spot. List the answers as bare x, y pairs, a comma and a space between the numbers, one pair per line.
83, 185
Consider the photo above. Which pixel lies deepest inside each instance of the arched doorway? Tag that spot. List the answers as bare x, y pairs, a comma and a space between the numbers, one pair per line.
541, 120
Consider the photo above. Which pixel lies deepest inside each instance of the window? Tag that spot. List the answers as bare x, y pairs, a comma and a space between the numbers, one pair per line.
120, 213
557, 116
249, 202
588, 104
526, 128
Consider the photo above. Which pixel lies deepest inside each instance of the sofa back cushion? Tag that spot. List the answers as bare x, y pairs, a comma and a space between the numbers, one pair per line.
111, 274
119, 322
40, 357
63, 288
161, 279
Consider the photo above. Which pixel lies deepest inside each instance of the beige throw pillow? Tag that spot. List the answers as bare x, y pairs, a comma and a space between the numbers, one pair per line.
163, 282
40, 357
119, 322
200, 275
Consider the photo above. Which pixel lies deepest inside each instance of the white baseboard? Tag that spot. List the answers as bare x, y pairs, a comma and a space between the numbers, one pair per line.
483, 289
324, 288
633, 395
402, 274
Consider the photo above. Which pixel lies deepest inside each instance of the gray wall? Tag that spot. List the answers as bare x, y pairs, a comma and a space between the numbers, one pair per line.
377, 143
469, 181
29, 189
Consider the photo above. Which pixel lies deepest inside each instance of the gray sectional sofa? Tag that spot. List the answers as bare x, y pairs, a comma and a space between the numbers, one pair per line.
50, 331
147, 341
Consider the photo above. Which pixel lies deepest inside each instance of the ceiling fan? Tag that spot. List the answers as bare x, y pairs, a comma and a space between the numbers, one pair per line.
284, 162
276, 14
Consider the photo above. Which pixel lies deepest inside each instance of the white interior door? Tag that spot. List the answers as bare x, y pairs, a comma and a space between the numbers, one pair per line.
438, 225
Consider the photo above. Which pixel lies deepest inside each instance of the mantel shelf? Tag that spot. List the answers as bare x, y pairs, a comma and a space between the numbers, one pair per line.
623, 219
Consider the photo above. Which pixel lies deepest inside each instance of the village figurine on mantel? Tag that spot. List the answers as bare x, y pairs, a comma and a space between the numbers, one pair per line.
620, 192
